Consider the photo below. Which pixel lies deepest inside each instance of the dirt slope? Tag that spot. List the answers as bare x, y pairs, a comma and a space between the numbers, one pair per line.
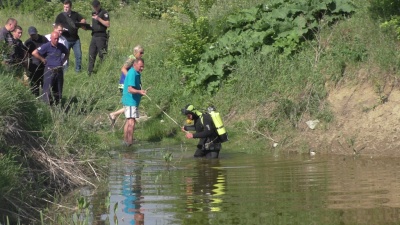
365, 123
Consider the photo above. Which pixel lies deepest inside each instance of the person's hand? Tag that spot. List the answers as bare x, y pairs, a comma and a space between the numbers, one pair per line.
183, 129
143, 92
189, 135
95, 16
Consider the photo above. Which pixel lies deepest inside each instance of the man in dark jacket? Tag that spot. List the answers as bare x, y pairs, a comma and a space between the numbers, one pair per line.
7, 40
36, 67
209, 144
20, 51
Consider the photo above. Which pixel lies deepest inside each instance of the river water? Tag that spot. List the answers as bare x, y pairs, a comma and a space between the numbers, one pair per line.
147, 187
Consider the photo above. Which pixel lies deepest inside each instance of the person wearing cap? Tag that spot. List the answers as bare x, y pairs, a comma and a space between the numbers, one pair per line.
98, 44
68, 19
209, 144
131, 96
7, 37
51, 55
138, 52
36, 67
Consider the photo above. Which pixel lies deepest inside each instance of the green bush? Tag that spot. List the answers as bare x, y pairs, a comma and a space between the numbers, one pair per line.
153, 9
280, 26
384, 9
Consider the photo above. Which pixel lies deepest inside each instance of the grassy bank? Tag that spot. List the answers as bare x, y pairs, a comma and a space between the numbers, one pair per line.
266, 99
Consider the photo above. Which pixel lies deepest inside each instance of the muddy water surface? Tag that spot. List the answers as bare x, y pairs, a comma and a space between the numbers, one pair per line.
248, 189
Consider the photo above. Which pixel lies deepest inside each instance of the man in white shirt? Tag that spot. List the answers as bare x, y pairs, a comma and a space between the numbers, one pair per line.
62, 40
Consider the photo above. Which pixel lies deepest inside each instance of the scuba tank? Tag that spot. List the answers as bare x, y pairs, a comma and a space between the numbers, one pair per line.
219, 125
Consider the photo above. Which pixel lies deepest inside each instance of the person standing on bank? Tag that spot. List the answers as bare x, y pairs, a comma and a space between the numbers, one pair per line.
209, 144
7, 37
36, 67
19, 58
53, 55
132, 94
98, 44
138, 52
20, 50
68, 19
61, 39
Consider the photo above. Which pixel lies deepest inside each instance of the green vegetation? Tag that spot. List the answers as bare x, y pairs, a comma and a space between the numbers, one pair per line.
266, 67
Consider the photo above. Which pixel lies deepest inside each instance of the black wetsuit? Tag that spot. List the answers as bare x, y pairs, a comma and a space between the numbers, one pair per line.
209, 144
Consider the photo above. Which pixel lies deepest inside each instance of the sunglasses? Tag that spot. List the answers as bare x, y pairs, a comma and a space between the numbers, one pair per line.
142, 53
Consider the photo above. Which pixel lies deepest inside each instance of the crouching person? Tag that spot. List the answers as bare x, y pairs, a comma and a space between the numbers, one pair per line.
210, 143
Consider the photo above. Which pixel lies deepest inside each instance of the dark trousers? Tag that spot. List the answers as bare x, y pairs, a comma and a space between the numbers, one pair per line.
209, 151
98, 45
36, 77
53, 85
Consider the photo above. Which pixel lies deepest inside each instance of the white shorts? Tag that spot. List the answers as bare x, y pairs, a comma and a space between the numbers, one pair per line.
131, 112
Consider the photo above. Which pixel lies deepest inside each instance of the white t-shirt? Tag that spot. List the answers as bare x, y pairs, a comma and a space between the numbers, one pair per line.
61, 40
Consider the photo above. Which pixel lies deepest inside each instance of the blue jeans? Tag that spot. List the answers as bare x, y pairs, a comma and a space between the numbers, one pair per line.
76, 46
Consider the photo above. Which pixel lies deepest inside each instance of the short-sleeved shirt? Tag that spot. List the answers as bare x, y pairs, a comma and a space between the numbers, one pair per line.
132, 79
61, 40
71, 34
34, 44
99, 30
52, 54
128, 64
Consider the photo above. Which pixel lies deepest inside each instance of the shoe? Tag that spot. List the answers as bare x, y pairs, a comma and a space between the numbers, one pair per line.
112, 120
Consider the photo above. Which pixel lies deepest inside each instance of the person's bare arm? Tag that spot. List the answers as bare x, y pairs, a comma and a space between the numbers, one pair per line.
124, 69
36, 54
132, 90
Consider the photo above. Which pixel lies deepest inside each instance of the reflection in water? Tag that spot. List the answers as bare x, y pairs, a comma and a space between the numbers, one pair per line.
253, 189
132, 191
204, 189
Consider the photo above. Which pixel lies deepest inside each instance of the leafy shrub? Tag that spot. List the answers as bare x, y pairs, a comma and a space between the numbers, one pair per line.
384, 9
46, 11
153, 9
281, 26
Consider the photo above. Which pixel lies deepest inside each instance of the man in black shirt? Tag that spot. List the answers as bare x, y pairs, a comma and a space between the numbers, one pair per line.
36, 67
68, 19
98, 44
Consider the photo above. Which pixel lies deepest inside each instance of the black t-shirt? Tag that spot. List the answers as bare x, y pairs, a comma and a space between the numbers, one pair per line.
68, 22
34, 44
99, 30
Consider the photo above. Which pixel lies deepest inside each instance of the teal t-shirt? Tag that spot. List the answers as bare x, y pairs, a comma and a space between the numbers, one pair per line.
132, 79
